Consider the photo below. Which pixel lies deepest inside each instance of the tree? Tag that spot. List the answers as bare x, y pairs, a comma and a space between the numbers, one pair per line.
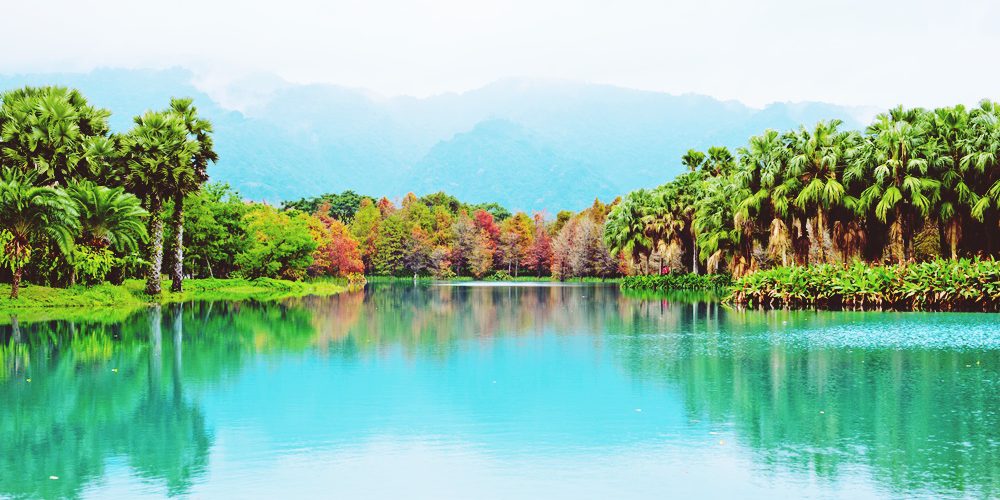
342, 206
893, 161
539, 255
365, 229
280, 244
154, 151
625, 230
948, 137
109, 217
516, 236
419, 258
482, 256
189, 176
213, 230
337, 252
818, 159
466, 240
50, 129
693, 160
390, 246
981, 168
27, 212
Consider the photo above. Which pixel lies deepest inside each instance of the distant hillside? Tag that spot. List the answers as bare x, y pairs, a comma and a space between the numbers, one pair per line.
528, 144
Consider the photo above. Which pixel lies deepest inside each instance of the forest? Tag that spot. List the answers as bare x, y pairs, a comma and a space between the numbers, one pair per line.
80, 204
915, 185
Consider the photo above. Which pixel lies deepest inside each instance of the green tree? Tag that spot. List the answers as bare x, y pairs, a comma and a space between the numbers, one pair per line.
625, 229
50, 129
280, 245
109, 217
901, 187
188, 177
155, 152
27, 212
391, 246
819, 157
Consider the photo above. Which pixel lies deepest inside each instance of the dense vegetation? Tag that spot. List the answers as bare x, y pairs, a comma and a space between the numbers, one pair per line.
915, 185
940, 285
80, 204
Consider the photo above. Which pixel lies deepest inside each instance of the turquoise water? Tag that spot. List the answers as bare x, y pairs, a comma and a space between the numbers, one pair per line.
424, 391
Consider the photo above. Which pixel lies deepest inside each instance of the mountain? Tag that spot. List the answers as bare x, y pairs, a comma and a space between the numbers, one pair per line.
530, 144
503, 161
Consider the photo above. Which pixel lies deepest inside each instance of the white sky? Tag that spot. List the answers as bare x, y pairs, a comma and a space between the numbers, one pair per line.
861, 52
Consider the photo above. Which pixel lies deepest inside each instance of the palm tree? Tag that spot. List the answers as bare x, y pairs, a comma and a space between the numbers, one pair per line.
948, 136
717, 232
818, 159
155, 151
981, 167
625, 230
27, 212
893, 160
693, 160
761, 204
46, 129
109, 217
189, 180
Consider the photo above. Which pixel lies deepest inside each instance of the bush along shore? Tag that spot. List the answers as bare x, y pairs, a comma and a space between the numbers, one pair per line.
680, 281
938, 285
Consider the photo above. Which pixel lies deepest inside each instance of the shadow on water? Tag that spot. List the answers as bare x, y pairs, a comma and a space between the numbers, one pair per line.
911, 397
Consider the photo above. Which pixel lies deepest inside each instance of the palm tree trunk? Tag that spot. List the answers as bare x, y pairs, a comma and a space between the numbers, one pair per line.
176, 285
820, 233
907, 236
694, 254
953, 233
155, 246
15, 283
802, 242
901, 236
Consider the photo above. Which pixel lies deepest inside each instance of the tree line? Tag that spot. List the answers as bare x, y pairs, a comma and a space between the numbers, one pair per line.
82, 204
914, 185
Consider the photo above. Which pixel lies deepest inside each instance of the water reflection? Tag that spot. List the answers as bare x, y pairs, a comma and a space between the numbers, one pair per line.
905, 401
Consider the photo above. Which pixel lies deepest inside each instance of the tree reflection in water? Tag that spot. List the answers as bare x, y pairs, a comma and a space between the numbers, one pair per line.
810, 391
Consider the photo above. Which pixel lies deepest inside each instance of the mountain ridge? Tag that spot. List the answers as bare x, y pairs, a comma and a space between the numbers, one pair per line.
494, 143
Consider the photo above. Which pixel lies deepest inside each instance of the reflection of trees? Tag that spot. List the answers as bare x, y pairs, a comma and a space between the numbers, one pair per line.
922, 419
428, 319
86, 404
919, 418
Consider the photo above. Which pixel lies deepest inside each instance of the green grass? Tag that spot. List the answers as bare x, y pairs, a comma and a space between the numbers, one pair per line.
130, 295
672, 282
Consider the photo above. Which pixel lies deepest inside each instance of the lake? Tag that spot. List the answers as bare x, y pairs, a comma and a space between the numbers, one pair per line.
482, 391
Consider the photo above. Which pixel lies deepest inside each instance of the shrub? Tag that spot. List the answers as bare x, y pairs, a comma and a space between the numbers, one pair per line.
500, 276
941, 285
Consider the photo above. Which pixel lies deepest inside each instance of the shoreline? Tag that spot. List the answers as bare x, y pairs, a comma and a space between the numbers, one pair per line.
38, 300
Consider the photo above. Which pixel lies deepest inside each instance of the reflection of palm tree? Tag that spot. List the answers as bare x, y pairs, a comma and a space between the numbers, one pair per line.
178, 337
168, 439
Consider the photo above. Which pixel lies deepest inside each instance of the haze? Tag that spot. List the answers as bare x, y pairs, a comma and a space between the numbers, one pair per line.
849, 52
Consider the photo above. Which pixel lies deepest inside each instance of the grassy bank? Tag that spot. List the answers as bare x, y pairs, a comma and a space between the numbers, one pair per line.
130, 294
671, 282
940, 285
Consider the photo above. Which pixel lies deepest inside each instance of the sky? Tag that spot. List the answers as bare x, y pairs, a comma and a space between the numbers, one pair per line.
853, 52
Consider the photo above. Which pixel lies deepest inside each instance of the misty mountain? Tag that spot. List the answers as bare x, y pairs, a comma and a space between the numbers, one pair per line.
529, 144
